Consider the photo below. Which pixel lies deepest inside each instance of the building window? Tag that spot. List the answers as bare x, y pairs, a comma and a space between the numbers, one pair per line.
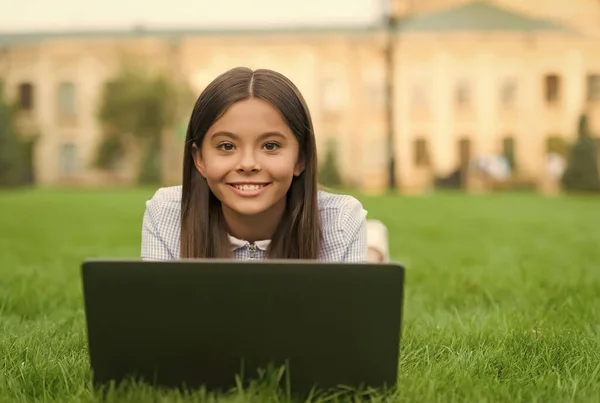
508, 92
421, 152
552, 88
593, 88
66, 98
463, 93
26, 96
68, 159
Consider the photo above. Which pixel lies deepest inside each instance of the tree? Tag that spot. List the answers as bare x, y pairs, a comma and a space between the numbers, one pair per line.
135, 110
329, 174
12, 159
581, 174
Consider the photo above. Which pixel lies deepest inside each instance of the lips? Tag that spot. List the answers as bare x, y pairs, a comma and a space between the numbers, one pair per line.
247, 189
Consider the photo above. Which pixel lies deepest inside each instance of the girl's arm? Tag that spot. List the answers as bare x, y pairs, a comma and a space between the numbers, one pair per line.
158, 220
354, 226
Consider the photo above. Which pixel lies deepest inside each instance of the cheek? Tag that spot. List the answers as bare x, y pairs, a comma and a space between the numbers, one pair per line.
284, 164
282, 167
215, 168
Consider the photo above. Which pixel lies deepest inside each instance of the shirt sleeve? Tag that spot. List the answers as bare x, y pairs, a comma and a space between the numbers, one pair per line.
354, 227
153, 245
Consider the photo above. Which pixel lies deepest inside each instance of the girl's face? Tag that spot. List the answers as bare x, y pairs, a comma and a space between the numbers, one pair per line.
249, 157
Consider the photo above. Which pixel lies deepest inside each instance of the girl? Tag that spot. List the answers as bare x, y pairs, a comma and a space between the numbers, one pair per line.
250, 182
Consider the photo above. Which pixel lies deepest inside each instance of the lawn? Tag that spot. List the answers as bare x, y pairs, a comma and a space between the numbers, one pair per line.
502, 295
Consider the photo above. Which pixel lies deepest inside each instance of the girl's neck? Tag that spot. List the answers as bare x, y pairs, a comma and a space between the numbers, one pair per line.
256, 227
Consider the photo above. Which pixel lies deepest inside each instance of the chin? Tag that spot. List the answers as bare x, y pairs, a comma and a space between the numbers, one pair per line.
246, 206
249, 210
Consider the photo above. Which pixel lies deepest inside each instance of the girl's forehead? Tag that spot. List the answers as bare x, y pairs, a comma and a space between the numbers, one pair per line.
252, 110
250, 118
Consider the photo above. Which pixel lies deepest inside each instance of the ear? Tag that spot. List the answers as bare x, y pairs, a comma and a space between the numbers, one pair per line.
300, 166
197, 155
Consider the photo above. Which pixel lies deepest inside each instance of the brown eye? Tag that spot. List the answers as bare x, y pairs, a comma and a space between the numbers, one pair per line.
271, 146
226, 147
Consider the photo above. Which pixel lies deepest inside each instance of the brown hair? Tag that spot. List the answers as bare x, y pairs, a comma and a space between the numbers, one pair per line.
203, 229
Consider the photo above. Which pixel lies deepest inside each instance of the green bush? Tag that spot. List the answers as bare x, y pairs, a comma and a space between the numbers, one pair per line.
581, 174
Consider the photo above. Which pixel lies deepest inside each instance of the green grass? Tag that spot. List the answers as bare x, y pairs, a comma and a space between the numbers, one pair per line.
502, 295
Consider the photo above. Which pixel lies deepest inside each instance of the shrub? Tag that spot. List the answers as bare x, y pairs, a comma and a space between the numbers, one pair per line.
581, 174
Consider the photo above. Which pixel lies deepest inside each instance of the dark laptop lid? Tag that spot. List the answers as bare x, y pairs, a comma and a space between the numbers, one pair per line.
201, 323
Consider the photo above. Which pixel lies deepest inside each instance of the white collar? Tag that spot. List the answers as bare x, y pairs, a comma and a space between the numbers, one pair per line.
240, 243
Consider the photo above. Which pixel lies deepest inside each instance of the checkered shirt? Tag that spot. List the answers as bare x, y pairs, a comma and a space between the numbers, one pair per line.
343, 221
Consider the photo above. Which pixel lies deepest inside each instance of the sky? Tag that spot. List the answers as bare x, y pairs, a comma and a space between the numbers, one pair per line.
50, 15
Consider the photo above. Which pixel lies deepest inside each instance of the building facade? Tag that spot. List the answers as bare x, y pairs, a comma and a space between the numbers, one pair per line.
470, 79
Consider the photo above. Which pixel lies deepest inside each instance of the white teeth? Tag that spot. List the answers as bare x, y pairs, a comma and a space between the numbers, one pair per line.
248, 187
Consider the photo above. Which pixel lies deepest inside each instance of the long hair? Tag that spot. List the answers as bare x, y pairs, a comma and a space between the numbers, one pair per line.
203, 229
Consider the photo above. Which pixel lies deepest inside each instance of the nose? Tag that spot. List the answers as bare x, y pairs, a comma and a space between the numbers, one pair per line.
248, 162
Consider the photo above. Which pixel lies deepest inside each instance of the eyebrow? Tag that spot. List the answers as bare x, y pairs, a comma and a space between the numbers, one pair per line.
236, 137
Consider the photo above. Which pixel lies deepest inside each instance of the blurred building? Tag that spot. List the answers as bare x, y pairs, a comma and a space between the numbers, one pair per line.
471, 79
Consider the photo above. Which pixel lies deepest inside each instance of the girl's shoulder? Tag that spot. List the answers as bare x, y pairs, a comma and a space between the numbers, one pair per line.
340, 210
164, 208
166, 198
343, 226
330, 200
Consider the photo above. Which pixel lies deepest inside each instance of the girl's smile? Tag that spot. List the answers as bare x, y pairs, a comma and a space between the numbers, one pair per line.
248, 189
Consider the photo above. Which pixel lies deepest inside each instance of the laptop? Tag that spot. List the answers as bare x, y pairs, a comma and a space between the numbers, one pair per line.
202, 323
